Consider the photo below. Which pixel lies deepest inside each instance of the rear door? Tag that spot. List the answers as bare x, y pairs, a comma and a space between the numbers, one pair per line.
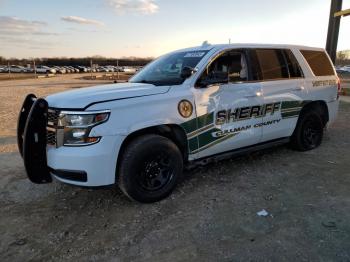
283, 88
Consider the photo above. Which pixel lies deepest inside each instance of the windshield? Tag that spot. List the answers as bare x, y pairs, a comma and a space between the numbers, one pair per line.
166, 70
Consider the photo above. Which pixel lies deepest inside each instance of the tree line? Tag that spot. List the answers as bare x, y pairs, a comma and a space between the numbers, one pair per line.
83, 61
343, 58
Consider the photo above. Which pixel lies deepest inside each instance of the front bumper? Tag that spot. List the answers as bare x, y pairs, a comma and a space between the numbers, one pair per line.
98, 162
90, 165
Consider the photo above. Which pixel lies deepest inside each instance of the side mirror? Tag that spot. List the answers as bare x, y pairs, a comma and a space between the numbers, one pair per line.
187, 71
214, 78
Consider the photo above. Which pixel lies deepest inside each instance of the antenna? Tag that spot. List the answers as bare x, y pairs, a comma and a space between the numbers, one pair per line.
205, 43
229, 41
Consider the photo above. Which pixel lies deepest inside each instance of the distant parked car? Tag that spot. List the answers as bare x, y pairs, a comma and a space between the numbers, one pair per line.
17, 69
92, 69
117, 69
103, 69
346, 68
82, 69
130, 70
60, 70
341, 71
40, 69
68, 70
74, 69
111, 68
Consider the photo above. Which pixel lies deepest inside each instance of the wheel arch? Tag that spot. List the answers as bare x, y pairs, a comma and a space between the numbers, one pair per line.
320, 106
173, 132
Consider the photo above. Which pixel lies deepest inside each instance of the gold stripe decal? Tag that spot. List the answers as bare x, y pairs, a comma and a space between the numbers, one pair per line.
213, 143
197, 132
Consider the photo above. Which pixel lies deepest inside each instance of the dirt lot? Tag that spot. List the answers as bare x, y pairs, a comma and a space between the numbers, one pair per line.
211, 216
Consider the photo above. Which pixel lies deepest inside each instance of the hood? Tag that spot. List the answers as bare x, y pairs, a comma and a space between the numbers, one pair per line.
83, 97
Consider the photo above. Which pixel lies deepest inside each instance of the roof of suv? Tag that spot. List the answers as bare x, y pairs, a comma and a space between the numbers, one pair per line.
248, 45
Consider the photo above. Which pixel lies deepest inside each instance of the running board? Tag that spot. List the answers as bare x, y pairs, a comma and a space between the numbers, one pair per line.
237, 152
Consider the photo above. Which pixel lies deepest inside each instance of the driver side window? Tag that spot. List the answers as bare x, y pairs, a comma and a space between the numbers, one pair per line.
229, 67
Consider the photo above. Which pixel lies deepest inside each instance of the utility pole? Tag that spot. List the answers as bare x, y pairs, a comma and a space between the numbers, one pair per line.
333, 27
9, 68
34, 67
91, 68
118, 69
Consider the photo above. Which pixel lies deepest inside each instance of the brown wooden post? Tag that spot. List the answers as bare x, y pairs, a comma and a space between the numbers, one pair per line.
333, 29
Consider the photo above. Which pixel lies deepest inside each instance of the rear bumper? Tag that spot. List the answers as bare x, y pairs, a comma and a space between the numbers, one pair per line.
98, 162
333, 110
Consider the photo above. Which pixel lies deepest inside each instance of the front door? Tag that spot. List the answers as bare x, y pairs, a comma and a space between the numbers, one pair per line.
228, 107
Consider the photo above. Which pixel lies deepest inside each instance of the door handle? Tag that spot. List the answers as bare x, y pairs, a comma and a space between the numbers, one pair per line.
256, 94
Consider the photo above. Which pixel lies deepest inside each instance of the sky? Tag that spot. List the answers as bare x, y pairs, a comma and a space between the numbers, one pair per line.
149, 28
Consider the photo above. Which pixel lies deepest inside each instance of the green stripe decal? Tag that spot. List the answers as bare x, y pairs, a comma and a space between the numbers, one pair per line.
190, 126
290, 114
199, 130
293, 104
205, 120
206, 137
213, 143
192, 144
290, 104
197, 123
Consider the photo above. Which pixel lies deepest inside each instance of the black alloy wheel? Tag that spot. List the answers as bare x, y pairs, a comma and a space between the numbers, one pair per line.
156, 172
312, 133
149, 168
308, 133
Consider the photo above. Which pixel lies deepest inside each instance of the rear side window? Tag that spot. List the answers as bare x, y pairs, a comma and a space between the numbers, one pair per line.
293, 65
319, 62
272, 64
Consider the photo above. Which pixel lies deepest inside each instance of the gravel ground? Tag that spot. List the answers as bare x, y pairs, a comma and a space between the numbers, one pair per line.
211, 216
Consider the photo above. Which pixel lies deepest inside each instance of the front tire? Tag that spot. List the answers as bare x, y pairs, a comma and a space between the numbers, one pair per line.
150, 168
308, 133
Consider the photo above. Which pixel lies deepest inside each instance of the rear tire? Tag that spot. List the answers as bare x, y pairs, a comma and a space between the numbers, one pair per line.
308, 133
150, 168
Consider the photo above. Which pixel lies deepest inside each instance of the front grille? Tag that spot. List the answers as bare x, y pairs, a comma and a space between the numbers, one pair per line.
52, 117
52, 121
51, 137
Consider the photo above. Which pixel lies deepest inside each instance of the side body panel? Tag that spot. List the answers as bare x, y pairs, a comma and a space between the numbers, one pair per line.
320, 88
290, 94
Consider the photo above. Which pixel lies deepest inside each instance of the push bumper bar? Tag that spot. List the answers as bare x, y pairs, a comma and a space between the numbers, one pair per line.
31, 138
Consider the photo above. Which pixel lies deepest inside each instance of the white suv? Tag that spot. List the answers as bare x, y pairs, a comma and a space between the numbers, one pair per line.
188, 107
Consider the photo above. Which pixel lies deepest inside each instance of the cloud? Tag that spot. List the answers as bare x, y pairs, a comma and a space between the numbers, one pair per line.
146, 7
81, 20
15, 26
25, 42
24, 34
86, 30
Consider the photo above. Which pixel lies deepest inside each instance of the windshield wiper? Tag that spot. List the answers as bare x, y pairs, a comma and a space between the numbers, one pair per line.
144, 82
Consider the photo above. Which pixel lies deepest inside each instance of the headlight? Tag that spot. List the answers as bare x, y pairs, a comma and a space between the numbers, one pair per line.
77, 126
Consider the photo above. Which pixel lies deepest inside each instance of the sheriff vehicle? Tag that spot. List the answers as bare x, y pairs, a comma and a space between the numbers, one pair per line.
188, 107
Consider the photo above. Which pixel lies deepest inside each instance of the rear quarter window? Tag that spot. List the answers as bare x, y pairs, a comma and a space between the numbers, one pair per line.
318, 62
